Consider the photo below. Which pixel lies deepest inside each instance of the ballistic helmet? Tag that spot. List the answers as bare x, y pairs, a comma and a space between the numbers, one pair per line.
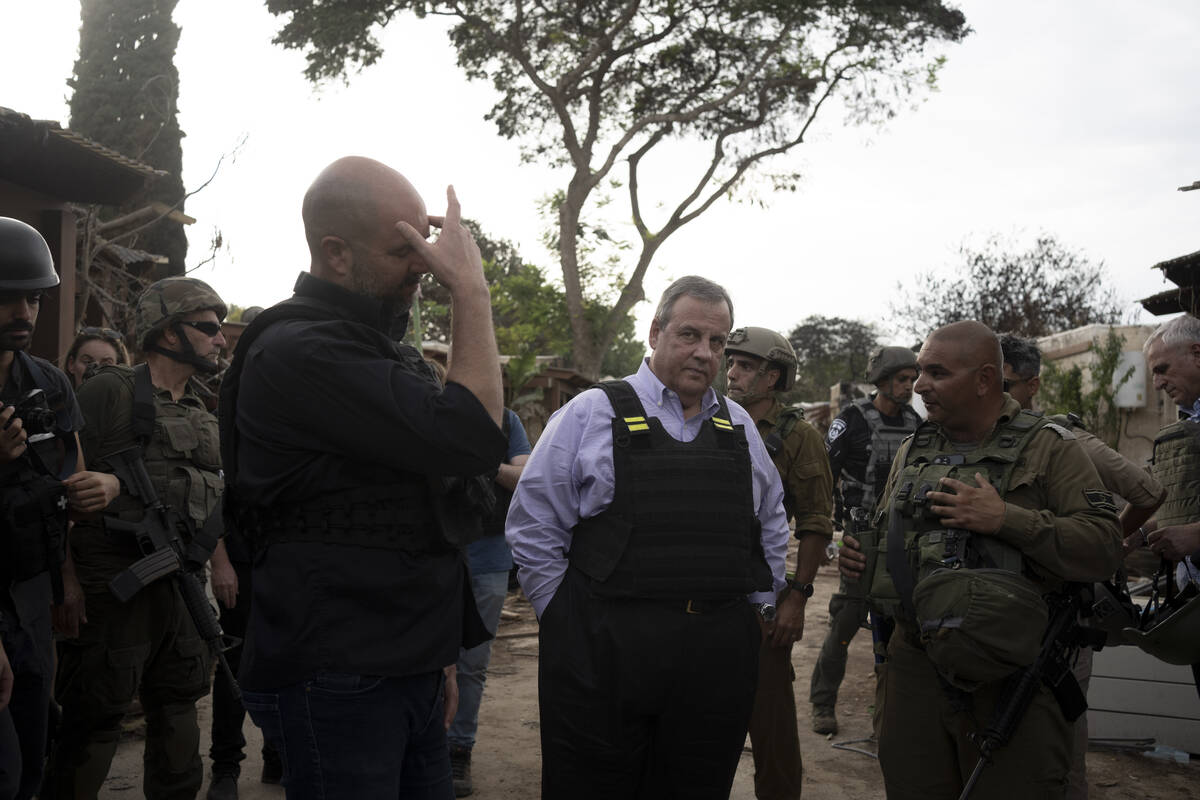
768, 345
25, 260
1171, 633
887, 361
166, 301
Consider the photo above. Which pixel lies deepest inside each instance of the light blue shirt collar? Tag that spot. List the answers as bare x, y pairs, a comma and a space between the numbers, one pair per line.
647, 384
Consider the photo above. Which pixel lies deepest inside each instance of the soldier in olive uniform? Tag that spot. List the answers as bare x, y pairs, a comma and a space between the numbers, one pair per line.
150, 642
1022, 369
981, 484
862, 442
761, 364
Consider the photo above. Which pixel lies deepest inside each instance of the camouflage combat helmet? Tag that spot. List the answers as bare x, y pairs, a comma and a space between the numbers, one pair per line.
768, 345
25, 260
887, 361
164, 304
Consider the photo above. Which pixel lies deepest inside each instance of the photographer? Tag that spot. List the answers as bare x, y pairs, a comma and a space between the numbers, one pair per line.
38, 450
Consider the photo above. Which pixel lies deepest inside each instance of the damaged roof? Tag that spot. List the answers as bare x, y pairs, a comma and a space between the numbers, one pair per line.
43, 156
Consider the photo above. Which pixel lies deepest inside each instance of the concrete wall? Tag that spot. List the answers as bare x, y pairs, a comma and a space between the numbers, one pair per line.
1138, 425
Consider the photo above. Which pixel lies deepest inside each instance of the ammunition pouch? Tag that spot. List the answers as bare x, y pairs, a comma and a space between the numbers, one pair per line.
979, 625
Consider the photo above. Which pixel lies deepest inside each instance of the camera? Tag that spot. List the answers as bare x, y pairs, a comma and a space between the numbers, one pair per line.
35, 414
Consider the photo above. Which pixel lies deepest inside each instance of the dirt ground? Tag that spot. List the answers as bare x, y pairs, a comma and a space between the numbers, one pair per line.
507, 757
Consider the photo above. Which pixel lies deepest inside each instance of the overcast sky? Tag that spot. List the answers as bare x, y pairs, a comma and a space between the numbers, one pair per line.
1078, 119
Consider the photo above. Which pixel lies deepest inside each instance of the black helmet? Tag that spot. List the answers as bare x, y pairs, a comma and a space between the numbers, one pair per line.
25, 260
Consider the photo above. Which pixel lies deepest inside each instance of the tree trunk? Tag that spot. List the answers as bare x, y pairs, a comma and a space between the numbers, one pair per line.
587, 356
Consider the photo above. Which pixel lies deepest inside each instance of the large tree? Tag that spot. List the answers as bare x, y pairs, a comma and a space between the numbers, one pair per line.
596, 86
1031, 292
830, 350
529, 312
125, 93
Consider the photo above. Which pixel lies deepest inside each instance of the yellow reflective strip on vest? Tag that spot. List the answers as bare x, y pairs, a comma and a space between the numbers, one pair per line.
640, 426
635, 419
723, 424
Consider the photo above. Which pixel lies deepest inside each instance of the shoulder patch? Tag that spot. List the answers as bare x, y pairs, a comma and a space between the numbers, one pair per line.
1063, 433
835, 430
1101, 499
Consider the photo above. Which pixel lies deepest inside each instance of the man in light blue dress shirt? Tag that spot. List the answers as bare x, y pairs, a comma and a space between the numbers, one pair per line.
649, 530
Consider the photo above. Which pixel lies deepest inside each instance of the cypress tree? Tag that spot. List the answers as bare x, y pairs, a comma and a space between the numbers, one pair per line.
126, 92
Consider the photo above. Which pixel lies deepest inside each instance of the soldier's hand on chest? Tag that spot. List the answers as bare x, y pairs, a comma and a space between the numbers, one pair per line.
974, 508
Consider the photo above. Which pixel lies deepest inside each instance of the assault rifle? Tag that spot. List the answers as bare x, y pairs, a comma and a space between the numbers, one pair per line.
164, 555
1050, 667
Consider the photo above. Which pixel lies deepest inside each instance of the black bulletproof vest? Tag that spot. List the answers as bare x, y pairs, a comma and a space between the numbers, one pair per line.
681, 524
398, 516
33, 501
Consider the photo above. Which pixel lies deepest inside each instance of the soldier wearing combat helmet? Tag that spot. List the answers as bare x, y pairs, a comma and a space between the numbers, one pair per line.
989, 520
149, 643
761, 364
861, 442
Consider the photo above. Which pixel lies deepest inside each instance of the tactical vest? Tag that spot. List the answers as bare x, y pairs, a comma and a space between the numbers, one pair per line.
682, 522
33, 501
400, 515
911, 542
885, 443
1176, 465
181, 448
774, 442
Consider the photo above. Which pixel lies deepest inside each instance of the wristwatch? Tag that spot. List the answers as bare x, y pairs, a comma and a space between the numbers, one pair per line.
766, 611
805, 589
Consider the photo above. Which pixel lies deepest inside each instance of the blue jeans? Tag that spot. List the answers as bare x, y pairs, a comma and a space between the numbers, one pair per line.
490, 589
358, 736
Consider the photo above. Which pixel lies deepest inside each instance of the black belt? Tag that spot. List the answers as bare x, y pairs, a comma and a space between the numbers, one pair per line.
701, 605
708, 606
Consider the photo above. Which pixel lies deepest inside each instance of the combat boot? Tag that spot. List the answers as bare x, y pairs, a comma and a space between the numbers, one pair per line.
824, 721
223, 787
460, 769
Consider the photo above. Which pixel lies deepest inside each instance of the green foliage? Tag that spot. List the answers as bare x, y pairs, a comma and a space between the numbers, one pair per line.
1091, 396
125, 93
600, 85
829, 350
1045, 289
529, 312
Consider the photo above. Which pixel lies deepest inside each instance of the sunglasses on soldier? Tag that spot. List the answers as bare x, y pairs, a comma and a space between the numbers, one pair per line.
207, 327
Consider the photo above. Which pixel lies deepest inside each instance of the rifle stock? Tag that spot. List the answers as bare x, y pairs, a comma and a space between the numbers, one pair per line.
1049, 667
157, 536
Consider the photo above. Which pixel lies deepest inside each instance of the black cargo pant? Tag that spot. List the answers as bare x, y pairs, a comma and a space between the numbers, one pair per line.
228, 742
147, 647
643, 699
